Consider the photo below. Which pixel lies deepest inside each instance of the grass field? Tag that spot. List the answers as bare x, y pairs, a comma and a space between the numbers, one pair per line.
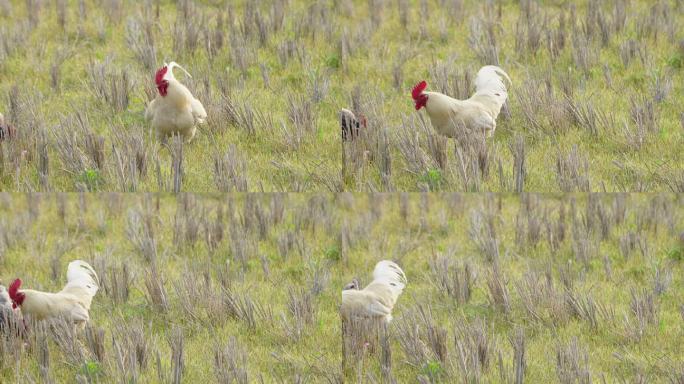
595, 103
246, 287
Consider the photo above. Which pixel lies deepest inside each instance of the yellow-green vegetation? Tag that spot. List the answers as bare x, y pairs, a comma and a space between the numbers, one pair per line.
595, 102
246, 287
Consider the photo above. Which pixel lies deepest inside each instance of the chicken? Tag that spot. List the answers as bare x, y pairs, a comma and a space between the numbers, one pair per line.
72, 302
175, 111
6, 131
351, 126
378, 298
5, 307
451, 117
356, 140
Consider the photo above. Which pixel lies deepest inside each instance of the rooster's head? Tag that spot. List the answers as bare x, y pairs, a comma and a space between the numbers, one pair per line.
162, 83
165, 74
419, 97
14, 294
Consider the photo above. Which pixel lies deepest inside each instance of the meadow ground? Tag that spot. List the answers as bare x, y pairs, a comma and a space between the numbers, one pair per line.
246, 287
595, 103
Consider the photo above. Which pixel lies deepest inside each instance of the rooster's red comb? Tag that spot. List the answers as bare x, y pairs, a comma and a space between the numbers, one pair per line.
160, 74
13, 288
418, 89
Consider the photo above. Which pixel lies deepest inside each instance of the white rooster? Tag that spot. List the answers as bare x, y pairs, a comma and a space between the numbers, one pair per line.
475, 115
72, 302
175, 111
377, 300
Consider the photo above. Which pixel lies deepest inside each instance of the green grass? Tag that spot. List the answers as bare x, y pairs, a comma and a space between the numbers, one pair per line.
342, 237
381, 60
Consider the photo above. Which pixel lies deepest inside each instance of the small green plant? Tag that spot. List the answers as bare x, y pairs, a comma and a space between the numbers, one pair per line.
333, 61
433, 178
676, 61
332, 253
433, 369
676, 253
91, 178
91, 369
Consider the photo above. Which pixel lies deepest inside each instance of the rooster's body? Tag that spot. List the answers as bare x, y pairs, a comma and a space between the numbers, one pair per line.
477, 115
377, 300
71, 303
175, 111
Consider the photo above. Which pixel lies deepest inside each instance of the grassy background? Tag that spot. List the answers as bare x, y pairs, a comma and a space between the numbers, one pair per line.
259, 276
605, 77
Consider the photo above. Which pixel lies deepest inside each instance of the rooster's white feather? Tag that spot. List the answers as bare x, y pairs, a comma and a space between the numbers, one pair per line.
379, 297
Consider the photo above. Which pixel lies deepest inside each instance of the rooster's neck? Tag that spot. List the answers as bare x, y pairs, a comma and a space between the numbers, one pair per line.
178, 94
439, 104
